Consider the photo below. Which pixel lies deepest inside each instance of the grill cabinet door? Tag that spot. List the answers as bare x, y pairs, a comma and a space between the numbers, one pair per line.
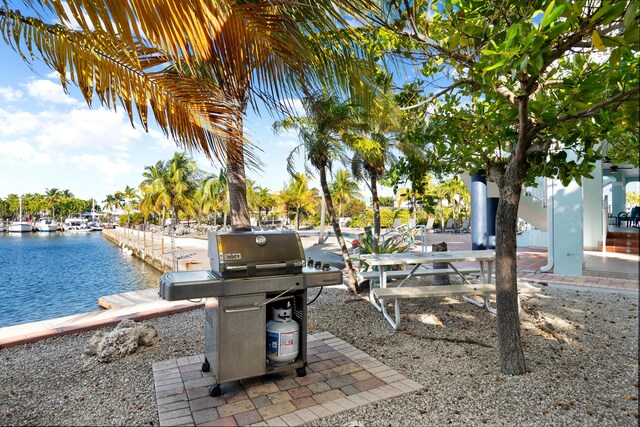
242, 337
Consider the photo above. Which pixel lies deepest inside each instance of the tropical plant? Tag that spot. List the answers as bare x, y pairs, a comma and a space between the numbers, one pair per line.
199, 66
264, 201
213, 197
373, 140
343, 189
320, 134
369, 244
52, 197
299, 195
130, 197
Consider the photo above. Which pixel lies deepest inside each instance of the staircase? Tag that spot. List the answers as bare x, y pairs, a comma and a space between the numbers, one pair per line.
623, 242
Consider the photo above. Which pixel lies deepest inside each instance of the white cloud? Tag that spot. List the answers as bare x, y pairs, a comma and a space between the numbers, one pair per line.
47, 91
287, 143
294, 106
9, 94
98, 129
107, 166
19, 152
15, 123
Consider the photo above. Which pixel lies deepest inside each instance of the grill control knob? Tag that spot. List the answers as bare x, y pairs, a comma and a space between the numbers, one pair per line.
326, 267
317, 265
310, 262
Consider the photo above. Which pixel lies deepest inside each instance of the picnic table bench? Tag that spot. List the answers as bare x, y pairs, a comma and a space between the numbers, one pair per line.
401, 274
465, 291
384, 261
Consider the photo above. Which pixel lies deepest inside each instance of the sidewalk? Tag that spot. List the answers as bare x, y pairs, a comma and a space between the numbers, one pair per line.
611, 271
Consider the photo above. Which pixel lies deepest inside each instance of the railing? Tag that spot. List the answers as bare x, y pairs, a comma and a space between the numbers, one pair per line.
539, 193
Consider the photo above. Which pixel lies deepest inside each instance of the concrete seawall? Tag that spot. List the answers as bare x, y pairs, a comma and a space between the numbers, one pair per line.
155, 249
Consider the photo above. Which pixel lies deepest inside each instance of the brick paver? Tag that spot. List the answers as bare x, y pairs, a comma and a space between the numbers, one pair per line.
339, 378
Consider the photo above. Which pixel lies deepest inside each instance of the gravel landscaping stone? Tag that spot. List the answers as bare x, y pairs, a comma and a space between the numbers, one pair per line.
581, 349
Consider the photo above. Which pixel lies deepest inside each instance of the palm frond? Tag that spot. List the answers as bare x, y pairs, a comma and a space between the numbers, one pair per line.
190, 110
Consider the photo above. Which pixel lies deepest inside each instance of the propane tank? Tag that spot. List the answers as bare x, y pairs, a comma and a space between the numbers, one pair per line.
282, 336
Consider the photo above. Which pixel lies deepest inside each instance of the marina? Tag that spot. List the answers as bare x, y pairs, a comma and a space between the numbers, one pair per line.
50, 275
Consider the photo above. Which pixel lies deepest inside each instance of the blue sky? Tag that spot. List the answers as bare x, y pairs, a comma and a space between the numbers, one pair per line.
49, 139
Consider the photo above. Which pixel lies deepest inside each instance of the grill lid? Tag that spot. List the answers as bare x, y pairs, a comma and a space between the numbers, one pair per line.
250, 254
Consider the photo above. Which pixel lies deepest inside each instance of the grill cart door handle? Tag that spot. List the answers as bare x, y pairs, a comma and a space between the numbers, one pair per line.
263, 266
242, 309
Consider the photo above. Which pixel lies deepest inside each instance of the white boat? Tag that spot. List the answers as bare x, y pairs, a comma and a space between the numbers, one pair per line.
46, 224
75, 223
95, 226
20, 226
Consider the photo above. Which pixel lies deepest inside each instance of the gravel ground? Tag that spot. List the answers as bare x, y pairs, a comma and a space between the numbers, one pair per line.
581, 349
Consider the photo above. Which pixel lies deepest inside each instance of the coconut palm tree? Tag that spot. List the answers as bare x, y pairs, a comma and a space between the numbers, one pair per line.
130, 197
199, 67
213, 196
52, 197
320, 134
344, 189
299, 195
264, 200
373, 140
149, 190
178, 185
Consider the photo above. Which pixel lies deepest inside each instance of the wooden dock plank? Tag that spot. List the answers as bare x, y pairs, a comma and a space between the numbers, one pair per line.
127, 299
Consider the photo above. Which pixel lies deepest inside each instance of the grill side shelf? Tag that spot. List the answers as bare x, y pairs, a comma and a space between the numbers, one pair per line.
176, 286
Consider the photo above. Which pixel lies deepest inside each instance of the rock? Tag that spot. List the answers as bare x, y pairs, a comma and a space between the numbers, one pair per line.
125, 339
94, 342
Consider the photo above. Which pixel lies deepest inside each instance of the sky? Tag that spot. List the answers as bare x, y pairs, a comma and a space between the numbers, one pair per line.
49, 139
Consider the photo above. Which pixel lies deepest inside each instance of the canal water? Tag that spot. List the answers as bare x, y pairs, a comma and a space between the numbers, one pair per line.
49, 275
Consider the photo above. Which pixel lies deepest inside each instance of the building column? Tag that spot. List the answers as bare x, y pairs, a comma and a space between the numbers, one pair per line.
592, 203
492, 210
478, 195
568, 237
618, 196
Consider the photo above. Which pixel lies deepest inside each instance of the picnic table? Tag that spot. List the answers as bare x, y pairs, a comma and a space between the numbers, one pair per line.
486, 259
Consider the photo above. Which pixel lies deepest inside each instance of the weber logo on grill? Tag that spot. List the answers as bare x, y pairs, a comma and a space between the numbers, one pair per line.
232, 257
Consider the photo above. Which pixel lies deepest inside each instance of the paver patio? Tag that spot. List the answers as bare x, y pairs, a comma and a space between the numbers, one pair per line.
339, 377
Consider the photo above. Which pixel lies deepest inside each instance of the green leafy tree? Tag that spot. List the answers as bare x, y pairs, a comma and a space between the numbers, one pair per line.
529, 83
633, 198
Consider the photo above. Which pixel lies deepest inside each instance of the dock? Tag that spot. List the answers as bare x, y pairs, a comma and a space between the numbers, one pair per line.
128, 299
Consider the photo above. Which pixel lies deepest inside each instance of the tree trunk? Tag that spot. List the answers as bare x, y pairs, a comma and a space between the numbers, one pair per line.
375, 202
297, 217
336, 229
508, 319
323, 207
237, 186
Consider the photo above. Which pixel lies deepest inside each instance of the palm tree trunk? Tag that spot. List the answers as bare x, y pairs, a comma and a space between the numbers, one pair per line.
323, 207
297, 217
237, 186
352, 285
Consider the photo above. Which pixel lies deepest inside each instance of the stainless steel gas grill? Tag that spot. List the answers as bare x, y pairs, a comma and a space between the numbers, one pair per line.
256, 279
